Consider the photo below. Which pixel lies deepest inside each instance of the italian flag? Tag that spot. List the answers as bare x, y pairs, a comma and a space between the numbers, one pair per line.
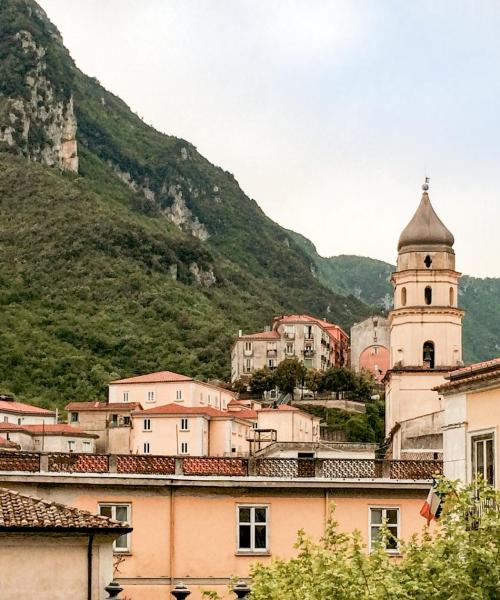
432, 506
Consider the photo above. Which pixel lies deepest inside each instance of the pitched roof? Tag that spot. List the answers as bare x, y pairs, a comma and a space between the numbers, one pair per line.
49, 429
86, 406
5, 443
20, 512
158, 377
177, 409
244, 414
482, 371
326, 325
20, 407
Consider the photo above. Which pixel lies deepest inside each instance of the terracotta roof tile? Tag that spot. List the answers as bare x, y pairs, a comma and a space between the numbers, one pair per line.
48, 429
177, 409
27, 513
476, 367
5, 443
20, 407
244, 414
158, 377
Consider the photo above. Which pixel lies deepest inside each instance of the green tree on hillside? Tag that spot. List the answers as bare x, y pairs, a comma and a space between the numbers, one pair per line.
262, 380
289, 373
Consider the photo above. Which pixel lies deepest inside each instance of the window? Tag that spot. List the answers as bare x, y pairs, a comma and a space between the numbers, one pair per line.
19, 420
253, 534
71, 445
146, 424
114, 420
403, 296
483, 457
184, 448
428, 295
146, 448
151, 396
248, 346
389, 516
308, 332
119, 512
428, 261
125, 396
452, 296
247, 368
178, 395
126, 421
428, 357
73, 417
271, 363
6, 419
290, 331
184, 425
289, 348
86, 447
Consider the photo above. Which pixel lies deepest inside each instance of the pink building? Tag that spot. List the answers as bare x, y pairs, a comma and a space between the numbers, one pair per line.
165, 387
172, 429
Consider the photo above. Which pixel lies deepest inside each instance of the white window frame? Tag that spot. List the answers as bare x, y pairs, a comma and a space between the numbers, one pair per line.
252, 549
146, 448
71, 445
482, 433
125, 396
184, 448
184, 424
86, 446
146, 425
384, 508
289, 348
178, 395
248, 346
114, 506
151, 396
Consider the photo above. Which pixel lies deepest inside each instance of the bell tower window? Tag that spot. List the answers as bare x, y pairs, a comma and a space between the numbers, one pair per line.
428, 261
428, 295
452, 296
403, 296
428, 355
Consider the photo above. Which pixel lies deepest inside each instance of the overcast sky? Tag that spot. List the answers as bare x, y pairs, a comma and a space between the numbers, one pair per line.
329, 114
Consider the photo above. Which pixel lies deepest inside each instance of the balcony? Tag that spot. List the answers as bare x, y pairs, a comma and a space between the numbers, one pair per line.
284, 468
308, 352
289, 335
248, 352
272, 353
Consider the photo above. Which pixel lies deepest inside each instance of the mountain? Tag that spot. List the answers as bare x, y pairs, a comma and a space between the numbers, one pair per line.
369, 281
123, 250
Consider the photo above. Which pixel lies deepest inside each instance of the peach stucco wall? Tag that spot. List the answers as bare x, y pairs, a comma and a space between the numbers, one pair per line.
291, 426
166, 435
189, 533
54, 566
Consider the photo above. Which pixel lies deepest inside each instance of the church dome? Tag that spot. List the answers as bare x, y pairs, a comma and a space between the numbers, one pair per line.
425, 231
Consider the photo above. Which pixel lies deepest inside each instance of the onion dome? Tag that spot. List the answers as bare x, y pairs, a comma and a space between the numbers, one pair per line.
426, 231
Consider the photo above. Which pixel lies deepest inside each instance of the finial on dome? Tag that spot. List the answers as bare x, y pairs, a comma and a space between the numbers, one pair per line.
425, 186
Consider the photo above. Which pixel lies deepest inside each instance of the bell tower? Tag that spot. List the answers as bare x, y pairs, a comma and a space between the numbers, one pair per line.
425, 323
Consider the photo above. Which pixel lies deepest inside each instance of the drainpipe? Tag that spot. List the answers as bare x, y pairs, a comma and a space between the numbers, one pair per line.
172, 541
89, 565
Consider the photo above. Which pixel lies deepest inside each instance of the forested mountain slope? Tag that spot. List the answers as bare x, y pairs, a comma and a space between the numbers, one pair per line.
122, 250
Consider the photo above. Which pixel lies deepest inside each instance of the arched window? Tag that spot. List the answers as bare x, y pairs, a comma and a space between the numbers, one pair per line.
428, 295
452, 296
403, 296
428, 354
428, 261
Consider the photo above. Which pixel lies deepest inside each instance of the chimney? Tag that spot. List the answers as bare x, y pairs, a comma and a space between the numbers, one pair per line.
267, 328
240, 332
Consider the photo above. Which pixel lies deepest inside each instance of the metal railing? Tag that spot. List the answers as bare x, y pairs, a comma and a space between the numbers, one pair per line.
281, 468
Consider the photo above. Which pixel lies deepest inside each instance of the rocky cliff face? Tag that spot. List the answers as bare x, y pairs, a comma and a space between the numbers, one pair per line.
39, 123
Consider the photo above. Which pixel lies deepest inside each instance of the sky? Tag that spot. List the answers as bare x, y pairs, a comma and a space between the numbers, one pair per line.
328, 113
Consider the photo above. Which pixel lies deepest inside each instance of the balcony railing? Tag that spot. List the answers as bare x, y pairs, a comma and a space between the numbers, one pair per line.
272, 353
282, 468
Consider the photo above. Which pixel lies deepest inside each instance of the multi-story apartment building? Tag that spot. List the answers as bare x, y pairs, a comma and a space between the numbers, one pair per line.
189, 431
318, 343
165, 387
251, 509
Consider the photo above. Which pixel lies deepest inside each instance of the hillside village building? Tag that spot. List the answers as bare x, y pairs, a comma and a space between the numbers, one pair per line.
471, 403
425, 334
370, 346
317, 343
